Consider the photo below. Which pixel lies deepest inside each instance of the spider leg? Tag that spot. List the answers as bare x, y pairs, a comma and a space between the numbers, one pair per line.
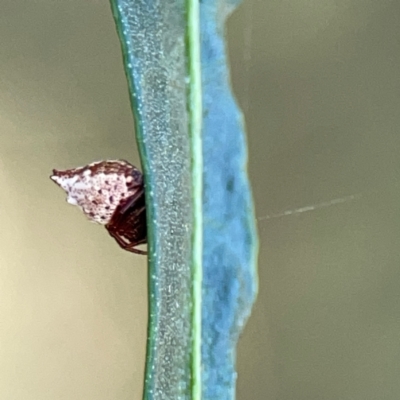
120, 211
132, 200
132, 249
128, 246
127, 226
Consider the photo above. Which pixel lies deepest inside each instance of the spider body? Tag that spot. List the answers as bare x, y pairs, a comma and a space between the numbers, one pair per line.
110, 193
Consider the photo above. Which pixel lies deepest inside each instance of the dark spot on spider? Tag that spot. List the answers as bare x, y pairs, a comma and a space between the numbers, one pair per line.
103, 217
111, 198
107, 207
95, 202
107, 182
91, 214
99, 191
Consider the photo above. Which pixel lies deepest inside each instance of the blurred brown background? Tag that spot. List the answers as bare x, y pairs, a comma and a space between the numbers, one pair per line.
320, 83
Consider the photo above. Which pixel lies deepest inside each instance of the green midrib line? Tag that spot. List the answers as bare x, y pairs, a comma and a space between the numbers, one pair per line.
195, 123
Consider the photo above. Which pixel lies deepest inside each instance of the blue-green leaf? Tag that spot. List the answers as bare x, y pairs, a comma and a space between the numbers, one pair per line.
201, 230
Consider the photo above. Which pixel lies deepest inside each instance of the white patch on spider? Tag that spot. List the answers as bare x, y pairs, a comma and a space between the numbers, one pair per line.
98, 188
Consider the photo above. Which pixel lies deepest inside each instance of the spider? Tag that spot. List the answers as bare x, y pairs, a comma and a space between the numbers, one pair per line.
110, 193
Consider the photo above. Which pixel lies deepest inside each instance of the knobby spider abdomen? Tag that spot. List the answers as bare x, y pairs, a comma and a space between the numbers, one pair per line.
110, 193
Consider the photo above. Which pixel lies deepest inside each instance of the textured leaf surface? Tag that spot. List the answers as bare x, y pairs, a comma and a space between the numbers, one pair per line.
154, 40
229, 236
152, 34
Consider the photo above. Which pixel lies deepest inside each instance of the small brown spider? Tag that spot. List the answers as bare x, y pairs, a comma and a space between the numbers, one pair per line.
110, 193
